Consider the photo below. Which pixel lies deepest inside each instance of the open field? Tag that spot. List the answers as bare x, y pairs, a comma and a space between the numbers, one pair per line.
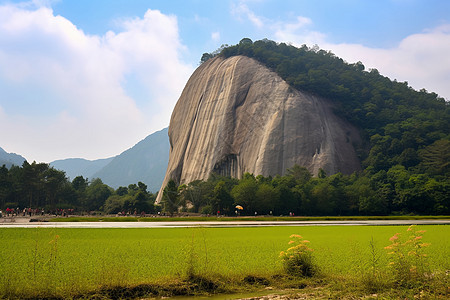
66, 262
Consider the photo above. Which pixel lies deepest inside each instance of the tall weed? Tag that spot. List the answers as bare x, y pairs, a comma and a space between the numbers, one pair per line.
298, 259
408, 261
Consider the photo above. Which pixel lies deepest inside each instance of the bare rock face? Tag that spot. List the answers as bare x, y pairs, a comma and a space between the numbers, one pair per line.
236, 116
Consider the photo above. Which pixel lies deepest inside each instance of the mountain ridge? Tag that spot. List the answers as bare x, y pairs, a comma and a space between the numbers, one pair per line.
80, 167
146, 161
9, 159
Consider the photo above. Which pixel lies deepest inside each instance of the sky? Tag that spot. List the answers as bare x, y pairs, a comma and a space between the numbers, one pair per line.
90, 79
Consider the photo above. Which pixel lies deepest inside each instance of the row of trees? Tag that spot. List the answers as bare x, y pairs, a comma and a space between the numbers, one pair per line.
38, 185
396, 191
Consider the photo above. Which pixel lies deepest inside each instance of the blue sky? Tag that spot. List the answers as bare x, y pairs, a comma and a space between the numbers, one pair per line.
91, 78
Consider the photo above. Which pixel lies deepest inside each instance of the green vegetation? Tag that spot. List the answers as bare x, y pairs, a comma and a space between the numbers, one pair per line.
39, 186
399, 125
405, 152
298, 259
397, 191
107, 263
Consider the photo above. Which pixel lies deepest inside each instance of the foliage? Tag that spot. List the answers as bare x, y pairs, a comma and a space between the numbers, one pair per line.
37, 185
298, 259
395, 192
170, 198
408, 259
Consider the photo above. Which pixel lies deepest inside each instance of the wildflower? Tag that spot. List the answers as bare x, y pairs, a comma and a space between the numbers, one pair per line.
394, 237
406, 251
297, 259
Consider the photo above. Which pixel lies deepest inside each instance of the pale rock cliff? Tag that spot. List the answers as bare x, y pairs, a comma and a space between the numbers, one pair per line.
236, 116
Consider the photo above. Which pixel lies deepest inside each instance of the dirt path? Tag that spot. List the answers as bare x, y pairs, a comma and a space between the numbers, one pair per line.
38, 221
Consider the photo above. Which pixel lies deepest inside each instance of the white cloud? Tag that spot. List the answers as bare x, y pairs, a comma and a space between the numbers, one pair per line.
241, 10
86, 77
296, 31
215, 36
422, 59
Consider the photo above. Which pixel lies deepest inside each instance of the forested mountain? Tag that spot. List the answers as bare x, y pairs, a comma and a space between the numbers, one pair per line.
405, 153
9, 159
400, 126
146, 162
80, 167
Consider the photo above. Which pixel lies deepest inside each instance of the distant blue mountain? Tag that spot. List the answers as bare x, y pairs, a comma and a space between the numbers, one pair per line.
80, 167
146, 162
9, 159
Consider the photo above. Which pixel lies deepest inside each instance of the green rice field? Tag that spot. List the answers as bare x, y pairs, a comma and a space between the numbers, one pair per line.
65, 262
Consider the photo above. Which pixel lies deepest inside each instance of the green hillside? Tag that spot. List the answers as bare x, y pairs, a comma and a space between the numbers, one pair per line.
146, 161
405, 153
399, 124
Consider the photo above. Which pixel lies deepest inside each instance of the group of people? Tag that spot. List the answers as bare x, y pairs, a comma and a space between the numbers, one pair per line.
28, 211
13, 212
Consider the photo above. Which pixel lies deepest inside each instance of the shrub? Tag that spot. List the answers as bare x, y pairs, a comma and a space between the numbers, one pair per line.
408, 261
298, 259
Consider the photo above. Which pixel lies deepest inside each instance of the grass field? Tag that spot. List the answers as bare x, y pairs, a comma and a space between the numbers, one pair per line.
69, 262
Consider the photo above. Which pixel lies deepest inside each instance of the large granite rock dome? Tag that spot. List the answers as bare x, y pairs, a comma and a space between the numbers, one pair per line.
235, 116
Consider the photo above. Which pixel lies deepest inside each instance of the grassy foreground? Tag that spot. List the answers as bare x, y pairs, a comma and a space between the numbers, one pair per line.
126, 263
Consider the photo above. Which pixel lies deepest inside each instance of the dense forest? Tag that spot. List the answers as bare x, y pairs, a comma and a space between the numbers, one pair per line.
39, 186
393, 192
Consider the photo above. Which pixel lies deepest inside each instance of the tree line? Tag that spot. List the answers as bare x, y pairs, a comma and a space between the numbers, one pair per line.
38, 185
396, 191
